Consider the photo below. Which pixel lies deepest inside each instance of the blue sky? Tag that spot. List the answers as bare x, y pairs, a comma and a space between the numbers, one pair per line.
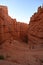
22, 10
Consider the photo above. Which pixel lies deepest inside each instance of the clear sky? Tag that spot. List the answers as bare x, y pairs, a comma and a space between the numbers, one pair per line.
22, 10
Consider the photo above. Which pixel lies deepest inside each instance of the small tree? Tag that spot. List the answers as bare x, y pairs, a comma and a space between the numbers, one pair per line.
2, 57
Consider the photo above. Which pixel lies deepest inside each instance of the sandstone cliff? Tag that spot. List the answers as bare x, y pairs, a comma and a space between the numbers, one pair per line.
35, 34
10, 29
14, 52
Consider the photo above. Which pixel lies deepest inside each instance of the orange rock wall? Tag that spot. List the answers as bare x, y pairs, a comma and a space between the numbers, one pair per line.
35, 34
10, 28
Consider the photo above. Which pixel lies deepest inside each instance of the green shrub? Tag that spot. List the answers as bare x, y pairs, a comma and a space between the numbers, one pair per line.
2, 57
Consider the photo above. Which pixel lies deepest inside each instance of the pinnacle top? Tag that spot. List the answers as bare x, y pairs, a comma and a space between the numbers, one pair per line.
3, 10
1, 6
40, 8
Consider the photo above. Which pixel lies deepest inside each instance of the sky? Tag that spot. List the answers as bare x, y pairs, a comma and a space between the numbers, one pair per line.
22, 10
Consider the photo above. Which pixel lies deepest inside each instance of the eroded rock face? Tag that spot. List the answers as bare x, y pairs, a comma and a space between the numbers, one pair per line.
35, 35
10, 28
3, 11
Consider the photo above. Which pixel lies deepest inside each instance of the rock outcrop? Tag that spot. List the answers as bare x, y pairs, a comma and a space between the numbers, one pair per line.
35, 34
10, 29
14, 52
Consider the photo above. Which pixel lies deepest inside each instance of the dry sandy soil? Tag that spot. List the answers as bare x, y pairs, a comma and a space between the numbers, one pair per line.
18, 53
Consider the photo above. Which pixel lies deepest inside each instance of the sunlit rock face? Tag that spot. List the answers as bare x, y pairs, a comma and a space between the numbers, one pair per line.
3, 11
10, 29
35, 34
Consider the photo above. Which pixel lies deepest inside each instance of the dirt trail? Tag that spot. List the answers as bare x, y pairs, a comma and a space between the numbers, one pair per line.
19, 53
